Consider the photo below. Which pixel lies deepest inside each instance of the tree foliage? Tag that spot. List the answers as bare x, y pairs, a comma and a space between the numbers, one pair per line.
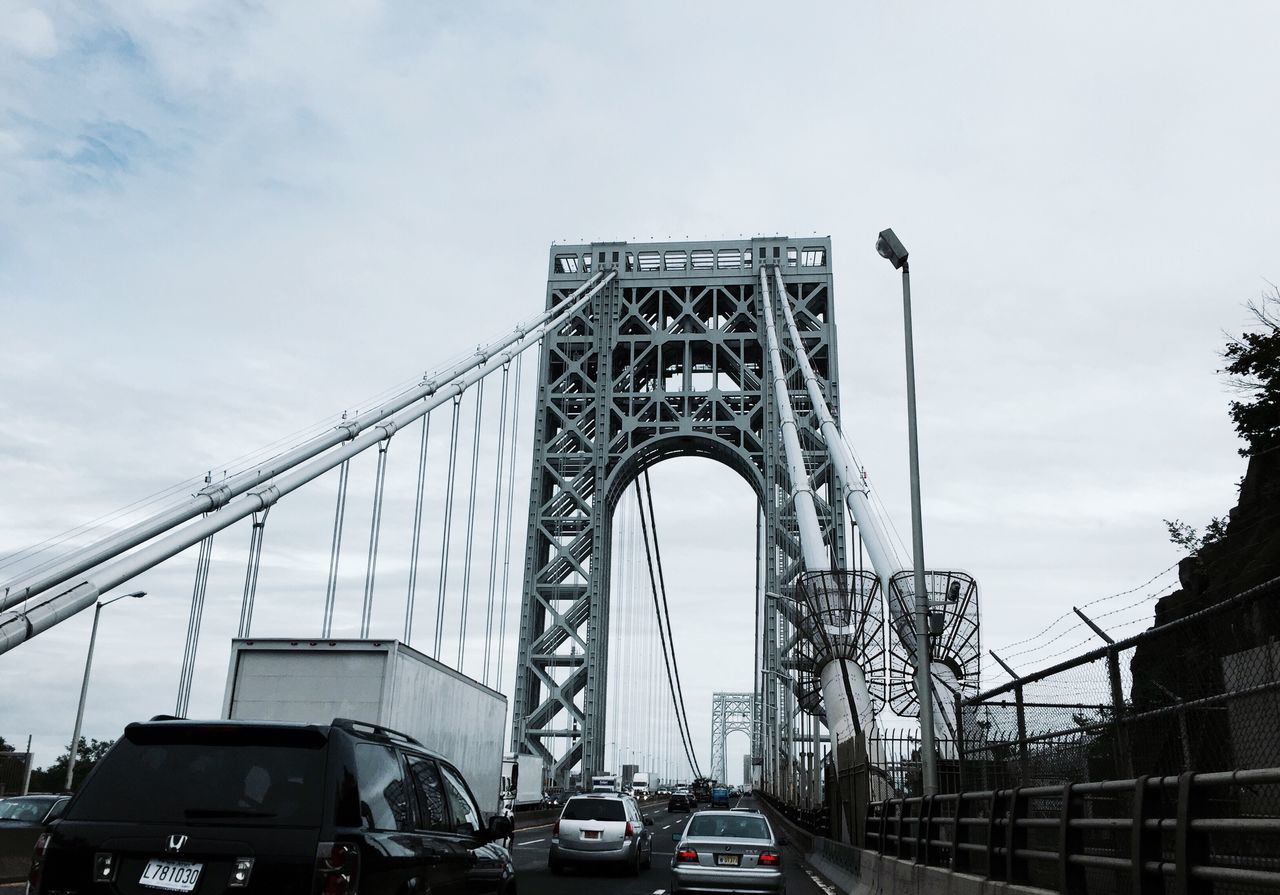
5, 747
1253, 365
54, 777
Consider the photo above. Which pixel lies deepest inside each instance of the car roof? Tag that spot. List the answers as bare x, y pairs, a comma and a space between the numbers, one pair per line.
601, 795
357, 729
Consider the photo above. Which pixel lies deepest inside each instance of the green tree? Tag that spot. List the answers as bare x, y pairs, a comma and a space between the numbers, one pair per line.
5, 747
54, 777
1253, 365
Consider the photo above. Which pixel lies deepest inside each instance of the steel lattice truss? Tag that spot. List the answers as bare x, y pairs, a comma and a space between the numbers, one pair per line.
730, 713
666, 361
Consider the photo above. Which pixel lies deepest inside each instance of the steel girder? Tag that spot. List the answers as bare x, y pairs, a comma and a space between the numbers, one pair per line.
730, 713
665, 361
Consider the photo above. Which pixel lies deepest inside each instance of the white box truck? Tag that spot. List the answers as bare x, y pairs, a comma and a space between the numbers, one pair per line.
522, 781
640, 785
382, 682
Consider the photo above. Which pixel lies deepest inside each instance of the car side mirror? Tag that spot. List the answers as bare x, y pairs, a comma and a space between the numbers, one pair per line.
500, 827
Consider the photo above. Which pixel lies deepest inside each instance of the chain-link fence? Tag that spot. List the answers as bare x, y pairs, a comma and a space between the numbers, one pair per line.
1197, 694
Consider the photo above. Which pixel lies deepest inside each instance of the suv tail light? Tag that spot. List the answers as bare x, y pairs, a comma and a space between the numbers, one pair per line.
770, 859
686, 856
337, 868
630, 832
37, 863
555, 828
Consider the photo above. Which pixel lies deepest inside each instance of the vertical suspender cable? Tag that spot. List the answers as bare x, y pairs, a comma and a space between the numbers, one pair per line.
375, 529
511, 491
497, 517
203, 561
339, 514
251, 573
417, 531
471, 524
448, 523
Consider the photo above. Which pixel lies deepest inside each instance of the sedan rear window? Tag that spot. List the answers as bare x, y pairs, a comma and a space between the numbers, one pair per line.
205, 775
721, 827
594, 809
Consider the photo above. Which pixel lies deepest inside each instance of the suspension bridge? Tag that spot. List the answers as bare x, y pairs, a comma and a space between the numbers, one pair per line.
723, 350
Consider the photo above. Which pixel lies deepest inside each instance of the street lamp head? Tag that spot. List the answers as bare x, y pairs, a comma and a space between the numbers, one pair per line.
137, 594
890, 247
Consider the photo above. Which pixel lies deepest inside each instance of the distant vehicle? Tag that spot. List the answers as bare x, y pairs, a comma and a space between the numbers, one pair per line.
521, 781
720, 797
701, 789
553, 797
640, 785
601, 828
605, 783
681, 801
22, 820
272, 807
727, 851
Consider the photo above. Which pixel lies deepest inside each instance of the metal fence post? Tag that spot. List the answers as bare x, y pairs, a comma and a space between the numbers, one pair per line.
1124, 755
958, 863
1144, 844
1189, 848
995, 869
1023, 759
1070, 877
960, 781
1013, 838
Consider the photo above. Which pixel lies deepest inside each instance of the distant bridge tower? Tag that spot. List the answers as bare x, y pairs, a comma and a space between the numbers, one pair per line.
730, 713
665, 361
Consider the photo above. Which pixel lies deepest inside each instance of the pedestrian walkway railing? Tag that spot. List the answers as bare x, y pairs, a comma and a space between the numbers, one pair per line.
1191, 833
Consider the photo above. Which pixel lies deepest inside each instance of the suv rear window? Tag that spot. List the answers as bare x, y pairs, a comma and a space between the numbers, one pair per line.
594, 809
194, 774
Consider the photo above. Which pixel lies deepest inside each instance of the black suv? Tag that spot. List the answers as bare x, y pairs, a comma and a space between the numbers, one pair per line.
233, 806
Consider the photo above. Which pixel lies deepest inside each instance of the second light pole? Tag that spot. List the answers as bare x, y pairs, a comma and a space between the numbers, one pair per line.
890, 247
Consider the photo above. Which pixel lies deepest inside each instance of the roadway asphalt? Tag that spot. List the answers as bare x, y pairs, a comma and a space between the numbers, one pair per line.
535, 879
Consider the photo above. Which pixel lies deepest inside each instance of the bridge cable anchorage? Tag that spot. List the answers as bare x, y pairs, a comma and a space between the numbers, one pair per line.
497, 518
511, 491
67, 600
375, 530
672, 677
665, 617
471, 524
416, 549
445, 529
214, 497
335, 550
251, 572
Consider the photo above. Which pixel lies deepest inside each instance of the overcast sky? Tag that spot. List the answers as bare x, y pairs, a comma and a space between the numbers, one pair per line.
223, 223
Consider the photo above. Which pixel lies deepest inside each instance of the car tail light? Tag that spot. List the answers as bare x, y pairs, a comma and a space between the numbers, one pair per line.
37, 864
555, 828
770, 859
337, 868
631, 831
686, 856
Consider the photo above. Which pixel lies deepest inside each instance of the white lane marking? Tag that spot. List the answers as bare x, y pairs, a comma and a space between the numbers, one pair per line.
819, 882
668, 826
658, 891
533, 842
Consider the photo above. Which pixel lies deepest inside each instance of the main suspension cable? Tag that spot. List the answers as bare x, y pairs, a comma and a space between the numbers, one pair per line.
673, 675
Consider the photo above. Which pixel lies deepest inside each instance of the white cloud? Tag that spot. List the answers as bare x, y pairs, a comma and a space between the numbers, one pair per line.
28, 30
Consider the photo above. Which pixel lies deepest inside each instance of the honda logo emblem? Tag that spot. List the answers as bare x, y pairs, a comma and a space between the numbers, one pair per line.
176, 841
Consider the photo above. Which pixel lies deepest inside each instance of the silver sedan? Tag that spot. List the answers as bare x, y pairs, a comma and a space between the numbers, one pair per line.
727, 851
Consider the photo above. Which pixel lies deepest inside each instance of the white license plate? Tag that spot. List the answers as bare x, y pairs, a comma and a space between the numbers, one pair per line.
727, 860
591, 834
172, 876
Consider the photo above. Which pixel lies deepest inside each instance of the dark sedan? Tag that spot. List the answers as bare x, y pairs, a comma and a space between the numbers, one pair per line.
22, 818
681, 802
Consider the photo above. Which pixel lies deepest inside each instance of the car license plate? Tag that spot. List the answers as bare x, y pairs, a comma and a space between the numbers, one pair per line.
172, 876
727, 860
590, 834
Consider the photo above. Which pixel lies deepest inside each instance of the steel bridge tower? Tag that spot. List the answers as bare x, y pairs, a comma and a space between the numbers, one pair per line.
730, 713
666, 361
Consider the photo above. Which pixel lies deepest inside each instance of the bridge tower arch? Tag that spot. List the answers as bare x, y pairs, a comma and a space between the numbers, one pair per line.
667, 360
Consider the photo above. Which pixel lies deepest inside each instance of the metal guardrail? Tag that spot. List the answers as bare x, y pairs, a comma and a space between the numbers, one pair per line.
1189, 834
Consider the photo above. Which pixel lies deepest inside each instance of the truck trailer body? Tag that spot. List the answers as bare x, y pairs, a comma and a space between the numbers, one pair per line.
381, 682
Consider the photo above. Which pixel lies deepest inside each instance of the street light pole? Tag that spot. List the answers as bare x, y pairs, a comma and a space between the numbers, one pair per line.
891, 248
84, 685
